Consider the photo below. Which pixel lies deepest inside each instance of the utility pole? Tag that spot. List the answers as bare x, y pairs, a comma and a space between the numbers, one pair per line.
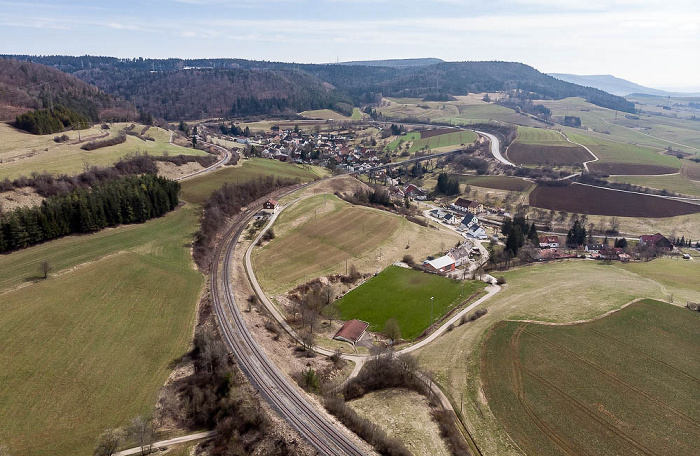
431, 309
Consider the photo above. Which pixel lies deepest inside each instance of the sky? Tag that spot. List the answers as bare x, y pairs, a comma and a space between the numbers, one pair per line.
650, 42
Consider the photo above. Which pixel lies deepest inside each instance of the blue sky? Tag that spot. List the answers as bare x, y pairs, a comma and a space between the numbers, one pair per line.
650, 42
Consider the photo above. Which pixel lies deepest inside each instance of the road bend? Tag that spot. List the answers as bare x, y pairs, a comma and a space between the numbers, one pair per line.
275, 387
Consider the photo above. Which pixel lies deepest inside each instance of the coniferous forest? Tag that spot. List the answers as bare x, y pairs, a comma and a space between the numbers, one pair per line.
129, 199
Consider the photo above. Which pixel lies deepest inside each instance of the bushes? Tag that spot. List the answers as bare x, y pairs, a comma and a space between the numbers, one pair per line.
60, 139
179, 160
92, 145
367, 430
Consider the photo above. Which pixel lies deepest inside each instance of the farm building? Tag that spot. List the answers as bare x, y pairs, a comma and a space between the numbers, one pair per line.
657, 240
475, 207
468, 221
270, 206
549, 242
443, 264
461, 205
351, 331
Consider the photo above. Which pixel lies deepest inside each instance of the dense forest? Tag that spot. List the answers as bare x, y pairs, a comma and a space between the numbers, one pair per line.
26, 86
130, 199
47, 121
184, 89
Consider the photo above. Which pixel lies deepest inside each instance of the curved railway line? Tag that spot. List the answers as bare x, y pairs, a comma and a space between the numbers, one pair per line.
326, 437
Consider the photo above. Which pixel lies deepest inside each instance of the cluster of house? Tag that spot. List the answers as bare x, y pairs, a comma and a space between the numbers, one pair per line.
313, 148
454, 258
463, 216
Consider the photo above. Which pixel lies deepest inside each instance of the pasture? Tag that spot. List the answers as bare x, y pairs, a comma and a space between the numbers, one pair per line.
22, 153
676, 183
444, 141
400, 140
89, 347
406, 295
691, 170
324, 114
583, 199
322, 234
624, 384
556, 292
530, 135
198, 189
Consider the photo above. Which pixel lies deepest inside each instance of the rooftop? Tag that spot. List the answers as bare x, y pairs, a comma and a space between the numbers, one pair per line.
351, 331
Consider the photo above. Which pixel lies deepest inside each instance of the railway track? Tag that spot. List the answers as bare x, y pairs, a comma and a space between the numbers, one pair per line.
272, 384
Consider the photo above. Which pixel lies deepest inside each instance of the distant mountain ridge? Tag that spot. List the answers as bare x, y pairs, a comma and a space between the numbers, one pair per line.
194, 88
395, 63
615, 85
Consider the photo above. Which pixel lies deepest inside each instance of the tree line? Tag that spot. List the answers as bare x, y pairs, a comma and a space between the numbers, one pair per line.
131, 199
47, 121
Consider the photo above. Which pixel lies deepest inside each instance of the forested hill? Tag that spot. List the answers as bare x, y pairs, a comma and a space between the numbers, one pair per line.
183, 89
25, 86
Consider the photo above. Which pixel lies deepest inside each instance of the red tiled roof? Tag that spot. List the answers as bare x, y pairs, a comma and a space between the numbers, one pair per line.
271, 201
351, 331
462, 202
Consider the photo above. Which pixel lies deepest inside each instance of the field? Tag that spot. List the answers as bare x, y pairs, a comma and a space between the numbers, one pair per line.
406, 295
444, 140
534, 154
324, 114
556, 292
691, 170
529, 135
87, 349
626, 384
322, 235
512, 184
411, 136
23, 153
403, 414
583, 199
675, 183
198, 189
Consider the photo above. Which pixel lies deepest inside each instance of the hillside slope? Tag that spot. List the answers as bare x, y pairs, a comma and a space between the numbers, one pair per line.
25, 86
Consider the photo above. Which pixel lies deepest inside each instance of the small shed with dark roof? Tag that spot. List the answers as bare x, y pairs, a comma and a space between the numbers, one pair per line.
351, 331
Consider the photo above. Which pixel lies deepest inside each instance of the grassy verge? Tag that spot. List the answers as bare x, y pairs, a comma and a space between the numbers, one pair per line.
407, 295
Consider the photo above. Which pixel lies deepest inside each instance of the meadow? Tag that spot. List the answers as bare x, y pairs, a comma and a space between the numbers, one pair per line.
512, 184
556, 292
22, 153
444, 140
198, 189
626, 383
676, 183
406, 295
89, 347
323, 235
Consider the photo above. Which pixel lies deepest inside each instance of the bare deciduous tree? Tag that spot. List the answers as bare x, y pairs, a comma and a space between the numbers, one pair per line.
392, 330
107, 442
142, 432
44, 269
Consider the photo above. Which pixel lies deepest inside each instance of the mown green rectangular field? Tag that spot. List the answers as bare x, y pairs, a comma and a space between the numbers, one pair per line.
674, 183
610, 151
405, 294
90, 347
411, 136
446, 140
530, 135
198, 189
623, 384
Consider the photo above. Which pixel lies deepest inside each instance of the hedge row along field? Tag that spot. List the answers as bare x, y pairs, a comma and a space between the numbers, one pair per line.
623, 384
582, 199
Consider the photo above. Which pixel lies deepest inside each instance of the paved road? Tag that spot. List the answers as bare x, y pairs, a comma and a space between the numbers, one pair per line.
274, 386
495, 148
166, 443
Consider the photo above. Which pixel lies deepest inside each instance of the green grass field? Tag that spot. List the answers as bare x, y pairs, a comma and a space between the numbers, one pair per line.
22, 153
530, 135
512, 184
411, 136
618, 152
90, 347
198, 189
405, 294
324, 114
674, 183
356, 114
624, 384
318, 235
447, 140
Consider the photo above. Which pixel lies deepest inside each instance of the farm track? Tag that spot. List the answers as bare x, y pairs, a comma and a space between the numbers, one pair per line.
615, 378
274, 386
